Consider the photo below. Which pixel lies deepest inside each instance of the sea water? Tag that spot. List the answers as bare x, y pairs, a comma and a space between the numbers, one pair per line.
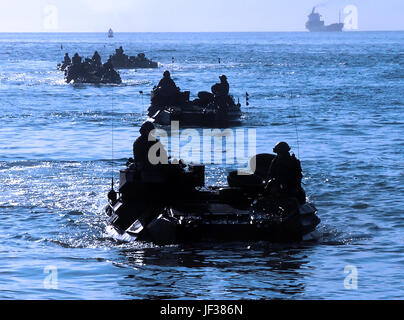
336, 98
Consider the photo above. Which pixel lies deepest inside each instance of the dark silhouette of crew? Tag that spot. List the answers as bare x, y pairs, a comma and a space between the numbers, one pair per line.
142, 145
76, 60
152, 162
65, 63
107, 66
96, 60
75, 70
67, 59
285, 174
141, 57
109, 74
119, 52
167, 86
166, 93
143, 158
221, 93
86, 66
221, 89
119, 59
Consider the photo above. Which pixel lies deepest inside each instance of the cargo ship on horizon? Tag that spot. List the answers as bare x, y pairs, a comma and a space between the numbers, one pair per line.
315, 24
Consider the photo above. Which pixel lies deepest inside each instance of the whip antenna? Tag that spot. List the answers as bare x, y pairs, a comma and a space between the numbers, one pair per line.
295, 122
141, 94
112, 137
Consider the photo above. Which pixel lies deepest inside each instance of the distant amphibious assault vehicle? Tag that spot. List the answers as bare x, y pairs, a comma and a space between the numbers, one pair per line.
93, 71
122, 61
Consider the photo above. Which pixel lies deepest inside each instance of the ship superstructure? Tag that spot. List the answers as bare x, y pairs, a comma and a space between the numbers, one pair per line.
315, 24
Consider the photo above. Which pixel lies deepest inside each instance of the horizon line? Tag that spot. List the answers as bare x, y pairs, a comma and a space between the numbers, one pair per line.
118, 32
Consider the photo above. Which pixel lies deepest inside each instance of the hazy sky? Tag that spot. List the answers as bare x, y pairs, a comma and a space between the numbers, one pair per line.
189, 15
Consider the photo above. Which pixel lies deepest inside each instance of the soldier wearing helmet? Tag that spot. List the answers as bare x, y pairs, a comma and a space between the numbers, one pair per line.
221, 89
151, 159
96, 60
67, 59
76, 60
167, 85
285, 173
143, 144
119, 52
66, 62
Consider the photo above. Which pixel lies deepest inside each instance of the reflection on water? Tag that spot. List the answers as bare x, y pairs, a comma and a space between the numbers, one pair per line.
219, 271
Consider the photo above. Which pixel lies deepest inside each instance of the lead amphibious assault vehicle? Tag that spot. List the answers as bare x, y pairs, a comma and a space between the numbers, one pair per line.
174, 206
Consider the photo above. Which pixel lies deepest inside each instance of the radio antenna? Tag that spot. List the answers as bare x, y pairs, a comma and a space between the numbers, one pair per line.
112, 137
295, 122
141, 94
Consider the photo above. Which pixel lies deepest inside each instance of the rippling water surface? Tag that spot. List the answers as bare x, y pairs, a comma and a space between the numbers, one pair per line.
55, 165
